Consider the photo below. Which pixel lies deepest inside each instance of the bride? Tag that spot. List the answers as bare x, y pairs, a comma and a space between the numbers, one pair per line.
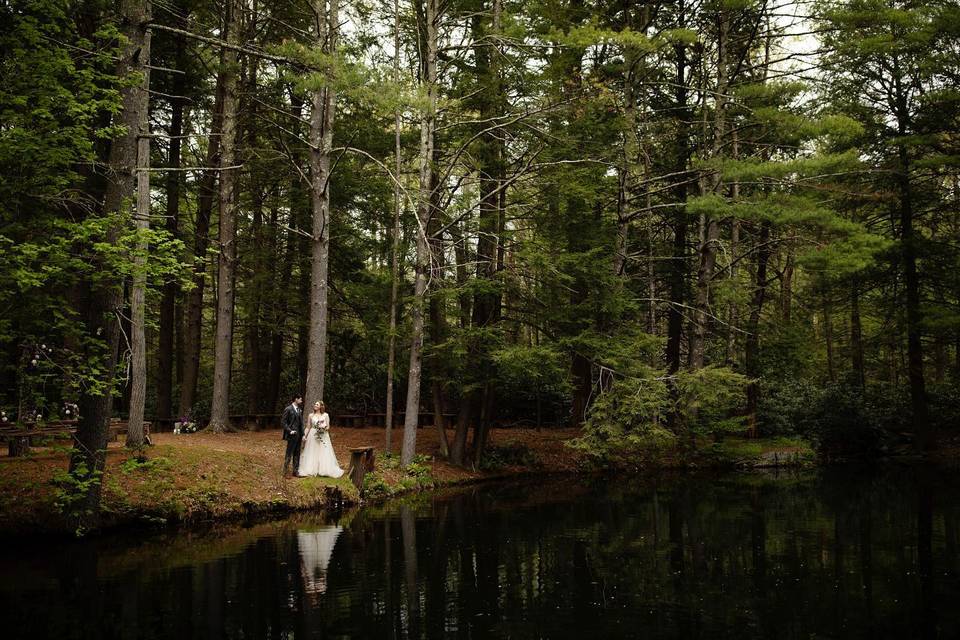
317, 457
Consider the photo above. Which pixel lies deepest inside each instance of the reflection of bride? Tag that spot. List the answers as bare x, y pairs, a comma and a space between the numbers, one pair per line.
317, 457
316, 547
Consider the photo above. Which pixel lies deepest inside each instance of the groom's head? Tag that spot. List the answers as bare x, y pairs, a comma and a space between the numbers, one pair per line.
297, 400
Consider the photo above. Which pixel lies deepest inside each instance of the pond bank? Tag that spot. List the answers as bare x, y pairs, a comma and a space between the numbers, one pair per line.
207, 477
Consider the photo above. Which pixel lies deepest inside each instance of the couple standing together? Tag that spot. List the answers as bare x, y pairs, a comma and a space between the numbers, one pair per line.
309, 450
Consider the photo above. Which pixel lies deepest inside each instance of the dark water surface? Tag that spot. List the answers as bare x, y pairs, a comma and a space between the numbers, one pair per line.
832, 554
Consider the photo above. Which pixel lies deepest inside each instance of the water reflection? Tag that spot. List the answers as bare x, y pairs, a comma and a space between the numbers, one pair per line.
835, 554
315, 548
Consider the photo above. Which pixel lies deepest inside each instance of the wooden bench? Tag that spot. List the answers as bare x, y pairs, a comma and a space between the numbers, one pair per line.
20, 438
17, 439
118, 426
361, 462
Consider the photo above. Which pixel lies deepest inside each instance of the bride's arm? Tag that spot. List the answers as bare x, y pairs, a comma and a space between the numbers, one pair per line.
325, 421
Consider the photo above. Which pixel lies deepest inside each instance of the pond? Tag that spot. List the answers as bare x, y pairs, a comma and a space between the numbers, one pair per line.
837, 553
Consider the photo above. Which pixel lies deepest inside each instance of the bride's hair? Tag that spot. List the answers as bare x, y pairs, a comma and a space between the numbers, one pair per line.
319, 405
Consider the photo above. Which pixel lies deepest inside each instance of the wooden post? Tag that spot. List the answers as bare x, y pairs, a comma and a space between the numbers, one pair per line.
18, 445
361, 461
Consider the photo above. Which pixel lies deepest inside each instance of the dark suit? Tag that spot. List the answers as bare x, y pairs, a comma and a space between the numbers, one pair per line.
292, 423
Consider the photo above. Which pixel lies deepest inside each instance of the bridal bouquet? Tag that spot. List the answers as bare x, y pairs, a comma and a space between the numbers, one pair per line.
321, 430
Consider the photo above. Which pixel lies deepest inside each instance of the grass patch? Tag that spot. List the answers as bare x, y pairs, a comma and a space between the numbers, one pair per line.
510, 455
779, 451
164, 483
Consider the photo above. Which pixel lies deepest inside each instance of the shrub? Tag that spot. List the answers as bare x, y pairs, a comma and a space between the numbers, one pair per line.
514, 455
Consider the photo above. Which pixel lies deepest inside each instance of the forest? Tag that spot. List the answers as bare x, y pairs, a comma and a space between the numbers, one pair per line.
653, 220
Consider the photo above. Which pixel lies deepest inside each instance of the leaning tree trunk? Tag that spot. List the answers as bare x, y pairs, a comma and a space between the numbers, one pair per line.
138, 291
323, 103
424, 200
223, 344
105, 297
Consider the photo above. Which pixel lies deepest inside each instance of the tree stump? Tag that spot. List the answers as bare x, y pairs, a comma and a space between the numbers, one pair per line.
18, 445
361, 461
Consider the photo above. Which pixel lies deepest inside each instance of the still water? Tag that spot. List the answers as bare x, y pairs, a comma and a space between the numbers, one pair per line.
831, 554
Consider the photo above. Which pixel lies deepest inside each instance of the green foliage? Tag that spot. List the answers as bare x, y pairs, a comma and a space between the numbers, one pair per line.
420, 471
627, 421
375, 487
142, 464
593, 35
515, 455
710, 397
71, 493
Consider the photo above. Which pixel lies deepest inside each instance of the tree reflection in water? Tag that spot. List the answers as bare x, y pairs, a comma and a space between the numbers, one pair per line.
832, 554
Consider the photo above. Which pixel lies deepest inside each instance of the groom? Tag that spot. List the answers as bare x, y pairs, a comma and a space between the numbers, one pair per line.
292, 423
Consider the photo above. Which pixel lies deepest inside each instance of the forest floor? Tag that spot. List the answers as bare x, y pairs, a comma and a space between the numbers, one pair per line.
203, 476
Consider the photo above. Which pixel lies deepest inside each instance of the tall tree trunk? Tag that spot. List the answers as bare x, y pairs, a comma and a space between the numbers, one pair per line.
394, 238
630, 169
908, 255
323, 105
280, 319
88, 457
462, 253
290, 250
227, 236
752, 355
856, 336
678, 264
166, 348
786, 289
828, 339
424, 201
138, 290
256, 284
487, 303
206, 195
711, 234
918, 392
733, 313
438, 319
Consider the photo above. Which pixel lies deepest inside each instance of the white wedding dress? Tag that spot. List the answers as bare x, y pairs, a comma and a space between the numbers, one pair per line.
316, 547
317, 457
